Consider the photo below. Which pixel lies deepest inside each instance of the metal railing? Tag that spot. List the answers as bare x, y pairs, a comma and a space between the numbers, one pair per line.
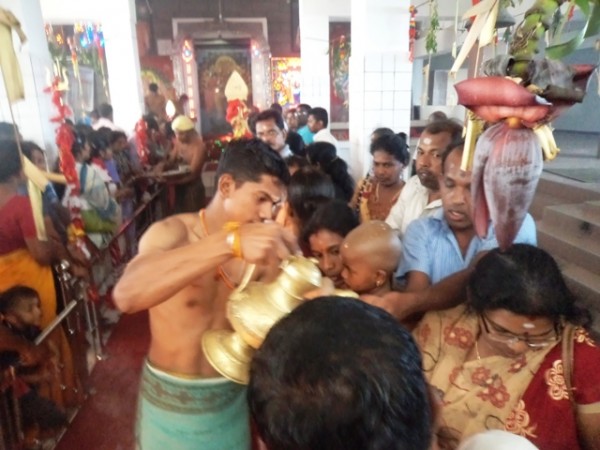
78, 314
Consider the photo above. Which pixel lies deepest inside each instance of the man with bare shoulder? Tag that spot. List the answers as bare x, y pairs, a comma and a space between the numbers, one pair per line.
184, 403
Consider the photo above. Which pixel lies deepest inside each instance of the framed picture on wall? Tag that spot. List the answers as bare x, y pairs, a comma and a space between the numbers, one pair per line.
339, 58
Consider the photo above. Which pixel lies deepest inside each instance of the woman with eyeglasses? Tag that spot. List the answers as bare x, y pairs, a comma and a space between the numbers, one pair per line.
498, 361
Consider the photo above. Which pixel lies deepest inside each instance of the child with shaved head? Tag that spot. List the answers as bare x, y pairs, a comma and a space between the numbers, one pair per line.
370, 255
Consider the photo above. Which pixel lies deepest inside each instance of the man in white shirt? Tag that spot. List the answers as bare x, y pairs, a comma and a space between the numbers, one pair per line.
105, 111
270, 129
317, 122
420, 197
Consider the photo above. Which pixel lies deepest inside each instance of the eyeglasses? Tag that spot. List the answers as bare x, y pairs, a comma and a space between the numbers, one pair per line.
508, 338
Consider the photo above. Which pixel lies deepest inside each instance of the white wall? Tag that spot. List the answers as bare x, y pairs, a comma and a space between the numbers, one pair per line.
32, 114
117, 18
315, 16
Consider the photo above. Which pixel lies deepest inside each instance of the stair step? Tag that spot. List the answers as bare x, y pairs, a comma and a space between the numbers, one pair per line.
566, 191
579, 219
540, 202
580, 249
586, 286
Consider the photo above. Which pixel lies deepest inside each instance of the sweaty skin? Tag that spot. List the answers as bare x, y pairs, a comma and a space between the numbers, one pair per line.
185, 270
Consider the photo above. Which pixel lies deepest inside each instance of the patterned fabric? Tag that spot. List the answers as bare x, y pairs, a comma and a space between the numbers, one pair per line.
179, 414
431, 247
525, 395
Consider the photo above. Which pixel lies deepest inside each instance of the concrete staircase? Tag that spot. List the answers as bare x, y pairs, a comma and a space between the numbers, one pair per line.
569, 230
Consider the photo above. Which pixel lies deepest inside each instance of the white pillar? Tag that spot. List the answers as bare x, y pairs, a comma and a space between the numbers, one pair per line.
380, 74
117, 18
32, 114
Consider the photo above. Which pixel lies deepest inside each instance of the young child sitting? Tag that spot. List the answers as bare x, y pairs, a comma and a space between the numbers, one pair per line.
20, 318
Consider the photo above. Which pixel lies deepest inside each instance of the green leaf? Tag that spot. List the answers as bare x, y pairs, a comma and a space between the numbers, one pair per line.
591, 28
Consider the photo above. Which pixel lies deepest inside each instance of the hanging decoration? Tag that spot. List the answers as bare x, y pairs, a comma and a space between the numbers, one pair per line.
80, 44
434, 27
141, 141
519, 97
412, 32
340, 49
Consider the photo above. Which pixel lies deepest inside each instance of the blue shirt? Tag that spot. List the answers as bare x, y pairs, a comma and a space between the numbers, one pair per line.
431, 247
307, 135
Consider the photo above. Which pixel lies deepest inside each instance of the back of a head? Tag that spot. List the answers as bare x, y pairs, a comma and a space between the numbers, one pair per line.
250, 159
524, 280
453, 128
324, 155
309, 188
394, 145
339, 374
7, 131
277, 107
270, 114
105, 110
10, 160
335, 216
28, 147
320, 114
496, 440
99, 141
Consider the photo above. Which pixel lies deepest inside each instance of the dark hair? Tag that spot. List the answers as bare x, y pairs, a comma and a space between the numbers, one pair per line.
99, 142
524, 280
10, 300
105, 110
7, 131
320, 114
10, 160
249, 159
28, 147
394, 145
308, 188
94, 114
324, 155
153, 87
270, 114
378, 132
445, 126
335, 216
296, 143
453, 146
339, 374
304, 108
277, 107
151, 122
296, 161
116, 135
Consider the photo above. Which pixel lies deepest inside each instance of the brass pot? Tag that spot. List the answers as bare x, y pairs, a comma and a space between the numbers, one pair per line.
252, 310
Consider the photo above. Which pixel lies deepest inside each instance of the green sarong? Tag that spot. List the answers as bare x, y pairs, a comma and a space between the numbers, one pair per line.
191, 414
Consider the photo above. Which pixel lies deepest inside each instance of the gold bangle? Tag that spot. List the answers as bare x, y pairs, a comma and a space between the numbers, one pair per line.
233, 238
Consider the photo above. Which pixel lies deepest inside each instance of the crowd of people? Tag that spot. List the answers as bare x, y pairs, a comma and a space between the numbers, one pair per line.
451, 337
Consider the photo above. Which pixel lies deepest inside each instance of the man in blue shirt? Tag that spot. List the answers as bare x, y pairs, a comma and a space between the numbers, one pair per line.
439, 250
303, 130
445, 243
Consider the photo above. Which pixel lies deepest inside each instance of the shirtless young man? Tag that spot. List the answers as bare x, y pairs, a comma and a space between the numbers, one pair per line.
183, 275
